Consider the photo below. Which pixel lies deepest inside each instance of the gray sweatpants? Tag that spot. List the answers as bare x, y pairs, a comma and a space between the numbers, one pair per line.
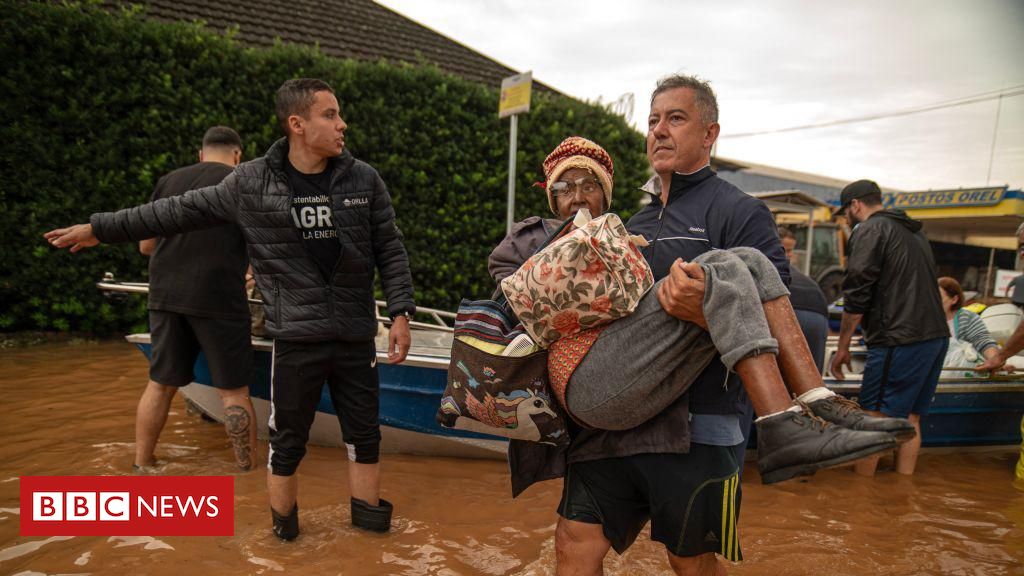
640, 364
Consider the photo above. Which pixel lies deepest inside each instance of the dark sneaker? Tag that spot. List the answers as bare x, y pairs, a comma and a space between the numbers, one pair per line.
286, 527
374, 518
848, 414
799, 444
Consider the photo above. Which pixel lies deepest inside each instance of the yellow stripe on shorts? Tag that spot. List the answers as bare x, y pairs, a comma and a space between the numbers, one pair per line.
730, 542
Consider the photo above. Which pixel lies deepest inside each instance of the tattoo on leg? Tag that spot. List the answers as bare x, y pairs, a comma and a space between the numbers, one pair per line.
237, 422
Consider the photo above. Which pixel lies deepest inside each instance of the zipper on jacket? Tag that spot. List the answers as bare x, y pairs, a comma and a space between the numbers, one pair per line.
657, 234
277, 299
336, 175
330, 303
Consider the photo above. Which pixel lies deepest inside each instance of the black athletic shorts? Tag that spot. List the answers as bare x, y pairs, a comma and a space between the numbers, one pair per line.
178, 339
298, 375
692, 500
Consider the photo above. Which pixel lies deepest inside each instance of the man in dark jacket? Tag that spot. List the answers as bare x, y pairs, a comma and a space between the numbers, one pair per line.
891, 289
197, 302
317, 223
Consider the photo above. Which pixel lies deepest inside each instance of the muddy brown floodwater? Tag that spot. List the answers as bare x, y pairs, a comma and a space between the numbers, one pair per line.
68, 409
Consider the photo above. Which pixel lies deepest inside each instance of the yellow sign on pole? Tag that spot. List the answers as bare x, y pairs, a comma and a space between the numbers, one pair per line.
515, 100
515, 94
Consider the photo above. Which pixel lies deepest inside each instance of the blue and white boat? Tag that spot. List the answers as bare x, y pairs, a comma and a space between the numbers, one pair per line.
972, 411
410, 395
975, 410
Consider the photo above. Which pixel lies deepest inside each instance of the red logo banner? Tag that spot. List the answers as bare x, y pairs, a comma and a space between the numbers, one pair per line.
127, 506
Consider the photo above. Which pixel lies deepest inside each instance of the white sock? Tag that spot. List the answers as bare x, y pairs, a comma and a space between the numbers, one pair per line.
793, 408
815, 394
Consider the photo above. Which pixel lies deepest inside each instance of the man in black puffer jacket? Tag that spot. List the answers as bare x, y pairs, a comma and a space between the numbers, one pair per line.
317, 222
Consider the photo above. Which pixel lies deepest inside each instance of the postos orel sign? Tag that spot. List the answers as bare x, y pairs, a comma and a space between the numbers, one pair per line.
945, 198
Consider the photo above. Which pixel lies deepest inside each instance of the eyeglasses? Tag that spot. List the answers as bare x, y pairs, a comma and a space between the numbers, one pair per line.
588, 186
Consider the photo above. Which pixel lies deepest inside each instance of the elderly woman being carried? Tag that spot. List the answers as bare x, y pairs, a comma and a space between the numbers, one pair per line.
634, 367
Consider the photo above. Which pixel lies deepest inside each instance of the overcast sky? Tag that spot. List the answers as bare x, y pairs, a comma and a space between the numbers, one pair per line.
778, 64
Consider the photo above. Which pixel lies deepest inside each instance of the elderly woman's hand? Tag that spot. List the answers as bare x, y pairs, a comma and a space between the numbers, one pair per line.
682, 292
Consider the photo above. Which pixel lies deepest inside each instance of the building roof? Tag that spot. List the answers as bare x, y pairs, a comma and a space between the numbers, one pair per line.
751, 177
359, 29
795, 198
781, 173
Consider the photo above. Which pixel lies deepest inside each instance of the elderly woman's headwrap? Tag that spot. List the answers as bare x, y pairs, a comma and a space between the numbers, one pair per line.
576, 152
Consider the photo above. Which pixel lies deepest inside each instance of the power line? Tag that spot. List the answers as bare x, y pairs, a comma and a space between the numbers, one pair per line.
983, 97
992, 151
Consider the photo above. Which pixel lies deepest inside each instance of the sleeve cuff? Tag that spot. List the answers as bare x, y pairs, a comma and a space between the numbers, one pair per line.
407, 310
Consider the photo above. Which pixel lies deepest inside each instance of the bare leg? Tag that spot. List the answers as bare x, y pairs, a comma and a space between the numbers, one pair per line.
706, 564
364, 482
906, 456
150, 417
795, 360
797, 365
239, 422
740, 273
763, 383
580, 548
283, 491
867, 466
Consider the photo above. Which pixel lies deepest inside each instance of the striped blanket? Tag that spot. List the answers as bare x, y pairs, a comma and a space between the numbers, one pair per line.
486, 320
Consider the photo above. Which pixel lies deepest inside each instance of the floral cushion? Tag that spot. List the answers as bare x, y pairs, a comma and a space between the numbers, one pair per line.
591, 276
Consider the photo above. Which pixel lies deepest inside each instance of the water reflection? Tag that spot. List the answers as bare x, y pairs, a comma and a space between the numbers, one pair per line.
69, 409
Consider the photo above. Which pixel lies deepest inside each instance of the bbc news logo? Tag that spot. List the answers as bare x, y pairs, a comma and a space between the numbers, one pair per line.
127, 506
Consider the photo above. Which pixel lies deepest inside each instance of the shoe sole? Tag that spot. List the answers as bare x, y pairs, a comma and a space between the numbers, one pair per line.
783, 474
904, 435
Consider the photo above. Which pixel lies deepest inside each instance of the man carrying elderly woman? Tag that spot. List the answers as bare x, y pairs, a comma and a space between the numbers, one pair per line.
631, 459
607, 393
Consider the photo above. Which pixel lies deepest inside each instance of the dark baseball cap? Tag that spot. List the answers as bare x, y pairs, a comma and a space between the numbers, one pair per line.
858, 189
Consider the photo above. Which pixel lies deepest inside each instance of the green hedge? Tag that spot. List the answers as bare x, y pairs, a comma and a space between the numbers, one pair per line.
98, 105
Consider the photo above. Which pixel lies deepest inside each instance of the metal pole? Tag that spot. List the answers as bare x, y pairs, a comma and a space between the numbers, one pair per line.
810, 241
989, 285
512, 172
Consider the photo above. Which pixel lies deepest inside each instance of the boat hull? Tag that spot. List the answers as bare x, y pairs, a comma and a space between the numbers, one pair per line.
965, 412
410, 395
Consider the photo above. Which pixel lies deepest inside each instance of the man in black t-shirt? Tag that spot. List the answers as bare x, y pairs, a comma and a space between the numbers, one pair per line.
809, 302
311, 214
197, 302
